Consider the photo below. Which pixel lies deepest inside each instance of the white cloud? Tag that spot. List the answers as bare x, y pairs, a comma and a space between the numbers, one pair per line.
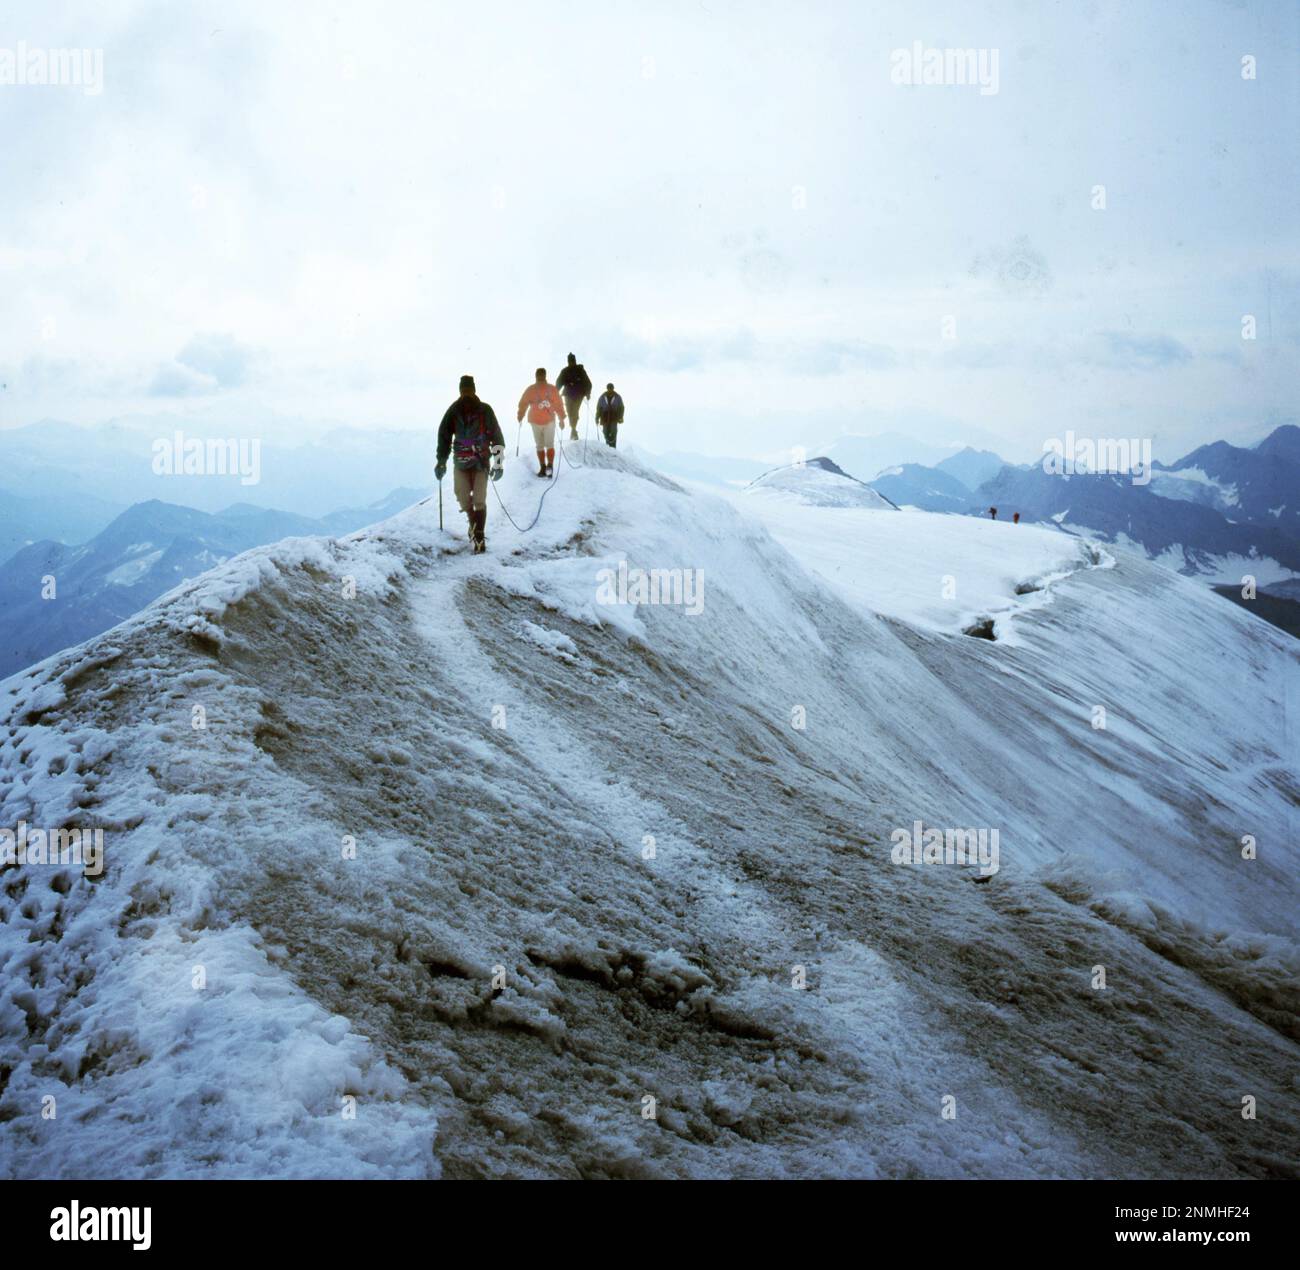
348, 213
218, 357
175, 380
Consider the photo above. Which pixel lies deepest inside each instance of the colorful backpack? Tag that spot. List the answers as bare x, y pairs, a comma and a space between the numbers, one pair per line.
472, 447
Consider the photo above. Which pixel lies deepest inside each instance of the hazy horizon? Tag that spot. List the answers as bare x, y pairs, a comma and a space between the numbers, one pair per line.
216, 420
303, 213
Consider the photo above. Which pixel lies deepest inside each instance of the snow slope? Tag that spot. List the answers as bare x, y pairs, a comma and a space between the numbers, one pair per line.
924, 569
819, 482
597, 847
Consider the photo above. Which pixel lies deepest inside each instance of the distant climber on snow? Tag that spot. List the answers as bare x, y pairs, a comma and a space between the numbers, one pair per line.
609, 414
470, 427
1015, 520
993, 513
545, 410
575, 384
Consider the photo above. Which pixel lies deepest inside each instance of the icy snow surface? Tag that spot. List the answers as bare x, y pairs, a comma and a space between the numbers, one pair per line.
597, 846
813, 485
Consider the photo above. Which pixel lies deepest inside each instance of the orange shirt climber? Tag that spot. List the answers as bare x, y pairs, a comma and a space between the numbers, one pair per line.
542, 401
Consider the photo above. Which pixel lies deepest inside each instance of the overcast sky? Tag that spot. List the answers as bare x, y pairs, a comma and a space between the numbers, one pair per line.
330, 211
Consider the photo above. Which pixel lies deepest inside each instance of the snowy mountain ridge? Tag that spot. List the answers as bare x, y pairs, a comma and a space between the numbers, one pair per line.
452, 838
820, 482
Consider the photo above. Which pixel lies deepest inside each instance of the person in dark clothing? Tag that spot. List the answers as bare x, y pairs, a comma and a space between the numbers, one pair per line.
1015, 520
993, 513
470, 426
609, 414
575, 384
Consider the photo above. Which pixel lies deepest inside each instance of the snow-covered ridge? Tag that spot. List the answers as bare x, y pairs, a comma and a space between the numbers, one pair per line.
653, 824
819, 482
923, 569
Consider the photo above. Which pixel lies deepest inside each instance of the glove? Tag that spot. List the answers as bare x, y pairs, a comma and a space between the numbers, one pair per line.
440, 471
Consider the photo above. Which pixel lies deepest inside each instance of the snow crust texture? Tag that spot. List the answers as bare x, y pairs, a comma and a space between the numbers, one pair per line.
470, 871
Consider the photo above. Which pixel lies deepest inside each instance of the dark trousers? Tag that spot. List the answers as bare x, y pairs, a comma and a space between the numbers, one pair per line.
611, 433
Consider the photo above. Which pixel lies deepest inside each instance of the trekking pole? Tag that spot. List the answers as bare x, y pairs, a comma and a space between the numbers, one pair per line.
518, 433
440, 504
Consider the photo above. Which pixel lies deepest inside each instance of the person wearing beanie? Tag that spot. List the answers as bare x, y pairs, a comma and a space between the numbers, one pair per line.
545, 410
609, 414
470, 427
575, 384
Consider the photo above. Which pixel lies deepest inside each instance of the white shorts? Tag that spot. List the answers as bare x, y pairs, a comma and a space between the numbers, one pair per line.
543, 435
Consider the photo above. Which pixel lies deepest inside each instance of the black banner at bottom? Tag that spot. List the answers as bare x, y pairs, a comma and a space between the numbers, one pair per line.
202, 1218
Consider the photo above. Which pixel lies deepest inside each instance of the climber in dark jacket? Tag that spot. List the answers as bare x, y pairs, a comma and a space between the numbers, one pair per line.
471, 427
574, 382
609, 414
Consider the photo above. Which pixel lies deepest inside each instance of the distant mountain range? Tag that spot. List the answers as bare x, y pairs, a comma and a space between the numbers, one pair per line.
929, 488
1188, 537
144, 552
1258, 486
